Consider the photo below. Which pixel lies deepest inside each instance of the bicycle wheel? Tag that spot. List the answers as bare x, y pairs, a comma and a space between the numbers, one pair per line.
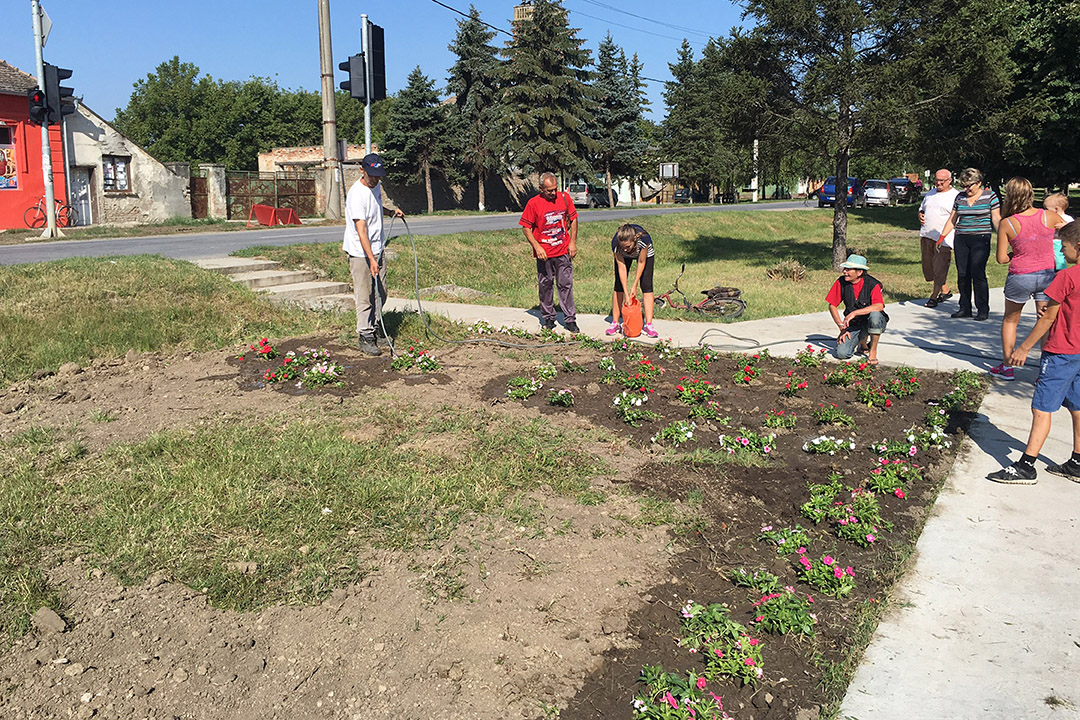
660, 301
64, 215
727, 308
34, 217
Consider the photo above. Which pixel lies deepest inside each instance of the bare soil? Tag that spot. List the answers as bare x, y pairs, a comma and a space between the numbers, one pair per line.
558, 622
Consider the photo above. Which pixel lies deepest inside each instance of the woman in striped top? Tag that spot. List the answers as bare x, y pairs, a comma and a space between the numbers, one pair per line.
632, 243
975, 216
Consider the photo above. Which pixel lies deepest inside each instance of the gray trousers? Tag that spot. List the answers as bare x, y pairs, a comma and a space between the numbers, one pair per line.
557, 270
364, 293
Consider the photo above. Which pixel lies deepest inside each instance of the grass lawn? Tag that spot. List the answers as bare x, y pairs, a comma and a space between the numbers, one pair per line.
729, 248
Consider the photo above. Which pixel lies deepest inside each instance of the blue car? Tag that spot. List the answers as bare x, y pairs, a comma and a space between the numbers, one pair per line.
855, 194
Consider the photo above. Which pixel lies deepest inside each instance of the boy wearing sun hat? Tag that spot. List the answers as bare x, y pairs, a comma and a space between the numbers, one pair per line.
864, 317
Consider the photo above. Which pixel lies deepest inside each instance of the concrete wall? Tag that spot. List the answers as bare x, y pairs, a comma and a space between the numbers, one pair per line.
154, 193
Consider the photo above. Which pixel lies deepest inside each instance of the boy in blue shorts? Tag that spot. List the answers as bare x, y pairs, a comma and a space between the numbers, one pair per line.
1059, 369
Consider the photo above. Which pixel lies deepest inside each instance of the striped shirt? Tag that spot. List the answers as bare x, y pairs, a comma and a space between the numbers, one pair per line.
975, 219
645, 241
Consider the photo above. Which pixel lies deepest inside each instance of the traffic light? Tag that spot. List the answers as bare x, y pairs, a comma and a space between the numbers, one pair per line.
378, 64
39, 111
59, 99
356, 84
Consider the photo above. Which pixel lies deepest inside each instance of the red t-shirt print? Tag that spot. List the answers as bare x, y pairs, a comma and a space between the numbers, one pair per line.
550, 221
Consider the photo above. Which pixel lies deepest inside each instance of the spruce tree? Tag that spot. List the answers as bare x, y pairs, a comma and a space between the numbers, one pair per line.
474, 83
548, 102
686, 129
418, 139
617, 131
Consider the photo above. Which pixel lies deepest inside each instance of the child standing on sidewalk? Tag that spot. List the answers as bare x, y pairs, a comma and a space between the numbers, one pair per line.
1059, 369
632, 243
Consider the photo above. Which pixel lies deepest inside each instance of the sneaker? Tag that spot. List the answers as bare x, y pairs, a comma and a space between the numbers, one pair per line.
547, 324
648, 330
1003, 372
368, 346
1068, 469
615, 329
572, 327
1015, 474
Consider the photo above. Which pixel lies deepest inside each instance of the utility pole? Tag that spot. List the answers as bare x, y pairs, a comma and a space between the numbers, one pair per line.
365, 46
331, 161
51, 230
754, 184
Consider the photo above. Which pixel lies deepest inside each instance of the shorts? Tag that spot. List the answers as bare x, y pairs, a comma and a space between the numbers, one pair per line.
646, 276
1022, 287
1058, 383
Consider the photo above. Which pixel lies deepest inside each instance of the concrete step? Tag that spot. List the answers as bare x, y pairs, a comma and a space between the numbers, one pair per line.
343, 301
301, 292
260, 279
234, 265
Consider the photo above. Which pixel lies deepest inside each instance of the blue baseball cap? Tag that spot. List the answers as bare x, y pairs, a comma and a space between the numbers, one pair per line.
373, 165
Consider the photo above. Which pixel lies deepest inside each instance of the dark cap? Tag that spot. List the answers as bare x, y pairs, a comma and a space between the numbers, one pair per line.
373, 165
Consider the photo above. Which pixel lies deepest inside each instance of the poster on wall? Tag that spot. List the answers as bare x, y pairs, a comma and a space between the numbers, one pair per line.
8, 178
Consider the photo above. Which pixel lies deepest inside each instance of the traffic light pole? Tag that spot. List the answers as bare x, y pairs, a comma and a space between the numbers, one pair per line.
51, 230
365, 44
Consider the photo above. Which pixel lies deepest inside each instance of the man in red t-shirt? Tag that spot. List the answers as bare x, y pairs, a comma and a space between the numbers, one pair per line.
864, 317
549, 222
1059, 369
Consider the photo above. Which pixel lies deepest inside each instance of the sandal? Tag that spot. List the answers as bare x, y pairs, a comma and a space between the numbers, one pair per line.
932, 302
874, 361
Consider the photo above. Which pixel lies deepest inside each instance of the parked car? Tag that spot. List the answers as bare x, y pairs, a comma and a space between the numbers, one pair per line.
879, 192
587, 195
906, 192
855, 193
689, 195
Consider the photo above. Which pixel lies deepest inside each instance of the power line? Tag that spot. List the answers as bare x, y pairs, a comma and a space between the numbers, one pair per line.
466, 15
629, 27
505, 32
646, 19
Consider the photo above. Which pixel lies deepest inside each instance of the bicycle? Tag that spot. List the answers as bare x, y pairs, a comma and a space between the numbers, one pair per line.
36, 217
721, 301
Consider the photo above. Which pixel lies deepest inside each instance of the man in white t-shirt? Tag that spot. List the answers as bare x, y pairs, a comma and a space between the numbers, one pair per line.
937, 256
364, 245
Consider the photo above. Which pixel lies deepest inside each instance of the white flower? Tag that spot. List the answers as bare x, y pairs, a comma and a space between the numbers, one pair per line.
326, 511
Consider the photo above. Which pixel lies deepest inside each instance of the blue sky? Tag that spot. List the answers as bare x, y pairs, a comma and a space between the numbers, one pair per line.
112, 43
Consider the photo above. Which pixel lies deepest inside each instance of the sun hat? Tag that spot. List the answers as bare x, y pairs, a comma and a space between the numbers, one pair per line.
855, 262
373, 165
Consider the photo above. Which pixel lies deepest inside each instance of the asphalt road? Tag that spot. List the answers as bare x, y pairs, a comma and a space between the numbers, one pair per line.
191, 246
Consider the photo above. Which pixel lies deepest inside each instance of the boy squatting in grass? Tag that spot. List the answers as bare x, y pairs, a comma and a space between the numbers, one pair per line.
1059, 369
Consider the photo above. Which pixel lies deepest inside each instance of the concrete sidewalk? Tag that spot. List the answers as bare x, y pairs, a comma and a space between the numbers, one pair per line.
985, 624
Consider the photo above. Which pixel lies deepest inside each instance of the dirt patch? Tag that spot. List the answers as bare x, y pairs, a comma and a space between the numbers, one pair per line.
501, 621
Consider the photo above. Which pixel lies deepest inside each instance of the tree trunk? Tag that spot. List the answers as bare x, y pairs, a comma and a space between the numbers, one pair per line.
481, 178
427, 187
607, 173
843, 156
633, 192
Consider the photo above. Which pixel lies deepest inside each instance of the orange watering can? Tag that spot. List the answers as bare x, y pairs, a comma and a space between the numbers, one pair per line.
631, 324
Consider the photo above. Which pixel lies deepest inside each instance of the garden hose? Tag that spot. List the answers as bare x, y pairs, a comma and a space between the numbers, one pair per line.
753, 343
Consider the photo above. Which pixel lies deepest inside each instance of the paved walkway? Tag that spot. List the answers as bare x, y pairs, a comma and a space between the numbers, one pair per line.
985, 624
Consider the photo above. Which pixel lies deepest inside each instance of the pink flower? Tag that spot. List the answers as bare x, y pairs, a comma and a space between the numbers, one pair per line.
809, 599
912, 451
670, 700
801, 551
718, 653
759, 618
701, 683
804, 561
744, 441
899, 493
754, 641
838, 572
749, 661
870, 538
850, 571
767, 449
827, 560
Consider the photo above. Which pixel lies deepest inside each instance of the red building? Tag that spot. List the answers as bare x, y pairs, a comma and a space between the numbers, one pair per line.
21, 181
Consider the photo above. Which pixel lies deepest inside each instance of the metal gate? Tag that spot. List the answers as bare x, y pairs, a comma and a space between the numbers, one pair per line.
282, 189
197, 187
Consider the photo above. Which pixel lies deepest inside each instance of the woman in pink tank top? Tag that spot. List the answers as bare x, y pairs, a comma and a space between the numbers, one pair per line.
1026, 243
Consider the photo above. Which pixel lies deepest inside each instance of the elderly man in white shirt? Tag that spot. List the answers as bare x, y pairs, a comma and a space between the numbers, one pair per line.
936, 257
